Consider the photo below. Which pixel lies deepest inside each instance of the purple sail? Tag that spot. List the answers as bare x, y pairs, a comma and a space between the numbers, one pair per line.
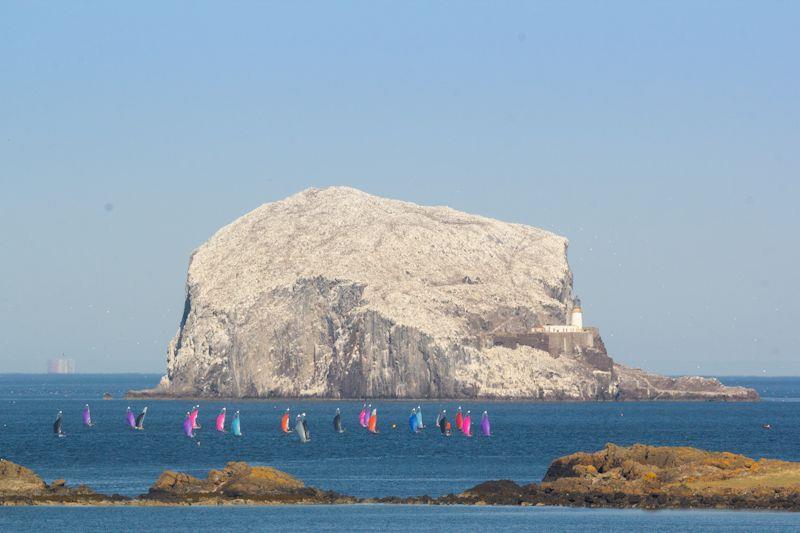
130, 418
87, 416
486, 427
188, 430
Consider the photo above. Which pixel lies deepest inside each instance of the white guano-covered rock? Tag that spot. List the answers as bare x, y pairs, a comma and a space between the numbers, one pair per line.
338, 293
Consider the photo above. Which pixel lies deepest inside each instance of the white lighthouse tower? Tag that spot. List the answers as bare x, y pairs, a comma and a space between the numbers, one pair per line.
576, 317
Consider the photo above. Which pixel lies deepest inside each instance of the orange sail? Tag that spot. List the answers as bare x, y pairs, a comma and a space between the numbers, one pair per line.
372, 425
285, 423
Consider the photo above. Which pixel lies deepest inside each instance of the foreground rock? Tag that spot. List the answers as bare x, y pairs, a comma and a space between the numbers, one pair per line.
238, 483
636, 477
651, 477
337, 293
21, 486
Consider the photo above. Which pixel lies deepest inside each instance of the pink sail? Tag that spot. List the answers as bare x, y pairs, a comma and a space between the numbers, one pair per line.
221, 420
193, 417
187, 426
363, 418
466, 425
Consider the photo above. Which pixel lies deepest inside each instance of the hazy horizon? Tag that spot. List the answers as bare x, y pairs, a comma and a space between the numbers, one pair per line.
662, 142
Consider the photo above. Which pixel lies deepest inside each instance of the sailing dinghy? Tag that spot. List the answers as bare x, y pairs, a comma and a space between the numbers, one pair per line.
412, 422
236, 425
486, 427
57, 426
195, 412
221, 420
285, 422
337, 422
466, 425
140, 420
130, 418
372, 424
87, 416
300, 428
188, 428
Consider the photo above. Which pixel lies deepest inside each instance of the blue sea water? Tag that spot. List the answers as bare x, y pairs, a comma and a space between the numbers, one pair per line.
527, 436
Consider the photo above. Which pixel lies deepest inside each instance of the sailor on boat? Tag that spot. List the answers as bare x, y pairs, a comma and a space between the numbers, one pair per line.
140, 420
57, 426
337, 422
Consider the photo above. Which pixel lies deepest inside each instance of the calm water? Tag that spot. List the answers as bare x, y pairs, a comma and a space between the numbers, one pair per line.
111, 458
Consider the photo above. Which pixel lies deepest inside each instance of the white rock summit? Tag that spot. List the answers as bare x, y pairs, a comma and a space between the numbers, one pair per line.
337, 293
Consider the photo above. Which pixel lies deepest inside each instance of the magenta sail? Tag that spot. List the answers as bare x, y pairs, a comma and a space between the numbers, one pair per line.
193, 417
221, 420
466, 425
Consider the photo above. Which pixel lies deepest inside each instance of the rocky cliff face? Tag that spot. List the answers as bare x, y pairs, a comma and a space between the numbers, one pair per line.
337, 293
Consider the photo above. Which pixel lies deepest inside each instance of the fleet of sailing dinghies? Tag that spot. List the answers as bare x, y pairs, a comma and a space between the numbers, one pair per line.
367, 419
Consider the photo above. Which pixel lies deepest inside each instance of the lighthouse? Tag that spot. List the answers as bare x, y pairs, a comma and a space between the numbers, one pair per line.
576, 317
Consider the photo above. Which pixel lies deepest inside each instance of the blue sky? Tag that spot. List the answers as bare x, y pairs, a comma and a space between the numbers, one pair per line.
662, 138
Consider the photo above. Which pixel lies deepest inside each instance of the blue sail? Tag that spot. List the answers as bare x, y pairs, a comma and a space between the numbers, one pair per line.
236, 426
412, 422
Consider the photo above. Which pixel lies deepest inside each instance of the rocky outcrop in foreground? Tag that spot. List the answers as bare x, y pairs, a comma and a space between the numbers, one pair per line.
238, 482
336, 293
653, 478
636, 477
22, 486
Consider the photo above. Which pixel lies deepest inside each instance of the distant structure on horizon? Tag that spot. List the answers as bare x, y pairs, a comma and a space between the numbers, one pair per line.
61, 366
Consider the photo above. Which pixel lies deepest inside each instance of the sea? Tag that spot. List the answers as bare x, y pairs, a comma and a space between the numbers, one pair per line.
526, 437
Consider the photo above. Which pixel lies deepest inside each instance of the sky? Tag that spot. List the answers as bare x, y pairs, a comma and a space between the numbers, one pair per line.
661, 138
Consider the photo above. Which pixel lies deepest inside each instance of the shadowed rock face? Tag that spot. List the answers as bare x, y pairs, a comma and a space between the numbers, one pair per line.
337, 293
